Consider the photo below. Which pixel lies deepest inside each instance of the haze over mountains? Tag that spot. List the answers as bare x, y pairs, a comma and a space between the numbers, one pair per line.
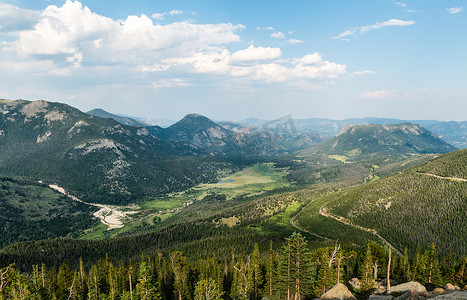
453, 132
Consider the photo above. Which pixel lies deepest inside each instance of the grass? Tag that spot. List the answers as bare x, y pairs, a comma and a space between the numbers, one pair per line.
252, 181
310, 219
340, 158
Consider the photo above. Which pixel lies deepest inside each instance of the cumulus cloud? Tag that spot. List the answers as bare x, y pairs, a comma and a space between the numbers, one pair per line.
380, 94
13, 19
310, 67
256, 54
73, 28
71, 40
161, 16
278, 35
455, 10
355, 30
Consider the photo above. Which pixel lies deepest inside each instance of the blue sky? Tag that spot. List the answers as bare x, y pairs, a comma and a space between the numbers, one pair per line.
239, 59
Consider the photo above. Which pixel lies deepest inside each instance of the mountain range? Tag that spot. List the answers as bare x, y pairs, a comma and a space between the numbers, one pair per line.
97, 159
453, 132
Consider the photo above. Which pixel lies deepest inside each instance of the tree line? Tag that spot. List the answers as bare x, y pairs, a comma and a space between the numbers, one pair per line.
292, 272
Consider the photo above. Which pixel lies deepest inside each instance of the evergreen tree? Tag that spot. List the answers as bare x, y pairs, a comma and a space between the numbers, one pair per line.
208, 289
180, 270
325, 276
295, 267
256, 274
146, 288
270, 267
365, 270
432, 271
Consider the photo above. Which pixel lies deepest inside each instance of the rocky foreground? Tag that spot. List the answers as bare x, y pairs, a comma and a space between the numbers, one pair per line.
405, 291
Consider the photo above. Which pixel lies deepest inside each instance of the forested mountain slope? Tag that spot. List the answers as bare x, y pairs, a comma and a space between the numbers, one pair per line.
96, 159
414, 208
33, 211
366, 141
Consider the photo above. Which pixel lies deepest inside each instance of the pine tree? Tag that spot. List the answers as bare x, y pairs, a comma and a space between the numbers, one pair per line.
255, 271
146, 288
365, 270
325, 278
270, 267
180, 270
295, 267
432, 271
208, 289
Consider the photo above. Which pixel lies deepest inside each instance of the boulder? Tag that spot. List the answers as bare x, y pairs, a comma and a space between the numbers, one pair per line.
412, 286
355, 283
457, 295
381, 297
339, 291
404, 296
449, 287
438, 291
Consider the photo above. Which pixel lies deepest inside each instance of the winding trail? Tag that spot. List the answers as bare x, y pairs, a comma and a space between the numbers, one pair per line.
292, 222
442, 177
323, 212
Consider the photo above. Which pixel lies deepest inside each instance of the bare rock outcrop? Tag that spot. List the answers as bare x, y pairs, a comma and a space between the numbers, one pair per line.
339, 291
412, 286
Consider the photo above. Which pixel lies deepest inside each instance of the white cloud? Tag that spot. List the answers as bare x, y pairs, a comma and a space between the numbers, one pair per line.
167, 83
380, 94
294, 41
71, 40
256, 54
455, 10
401, 4
308, 59
354, 30
265, 28
309, 67
161, 16
73, 28
346, 33
362, 73
13, 19
278, 35
391, 22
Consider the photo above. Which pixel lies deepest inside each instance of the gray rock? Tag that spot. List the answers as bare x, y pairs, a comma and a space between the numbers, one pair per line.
404, 296
381, 297
457, 295
339, 291
412, 286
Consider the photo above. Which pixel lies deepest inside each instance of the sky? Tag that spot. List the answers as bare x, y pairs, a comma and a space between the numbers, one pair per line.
232, 60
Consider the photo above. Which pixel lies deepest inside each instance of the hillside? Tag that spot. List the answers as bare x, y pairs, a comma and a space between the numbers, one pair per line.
366, 141
96, 159
33, 211
413, 208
